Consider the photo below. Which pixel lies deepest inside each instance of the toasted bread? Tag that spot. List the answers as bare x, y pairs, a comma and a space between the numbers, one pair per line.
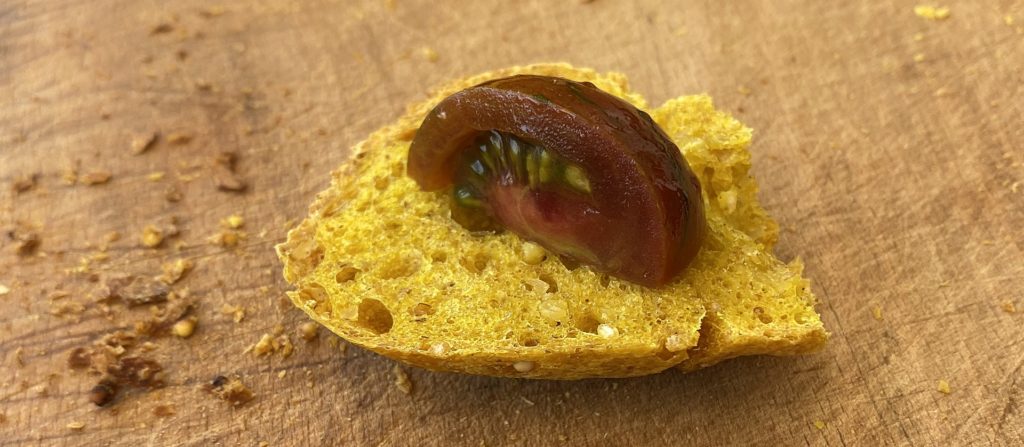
383, 265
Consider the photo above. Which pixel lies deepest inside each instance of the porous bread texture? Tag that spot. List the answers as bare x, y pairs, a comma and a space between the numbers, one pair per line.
383, 265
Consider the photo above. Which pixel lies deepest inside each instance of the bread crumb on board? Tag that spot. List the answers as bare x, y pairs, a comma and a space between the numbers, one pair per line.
175, 270
876, 312
96, 178
4, 290
152, 237
943, 387
932, 12
237, 313
231, 390
819, 424
1007, 306
76, 425
141, 143
269, 344
308, 331
402, 380
185, 328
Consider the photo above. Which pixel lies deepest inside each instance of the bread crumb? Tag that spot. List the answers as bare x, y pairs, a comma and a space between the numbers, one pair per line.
919, 57
264, 346
237, 313
143, 142
1007, 306
156, 176
1015, 187
184, 328
876, 312
96, 178
533, 253
1008, 20
932, 12
282, 373
944, 387
179, 138
402, 380
4, 290
174, 271
24, 183
152, 237
76, 425
233, 221
743, 90
918, 37
231, 390
308, 331
819, 424
429, 54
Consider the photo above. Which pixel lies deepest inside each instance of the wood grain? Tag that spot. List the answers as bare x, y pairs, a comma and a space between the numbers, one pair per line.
898, 181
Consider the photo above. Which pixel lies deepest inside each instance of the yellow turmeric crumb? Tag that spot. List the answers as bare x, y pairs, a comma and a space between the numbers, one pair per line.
76, 425
233, 221
402, 380
156, 176
932, 12
919, 57
1008, 307
1008, 20
152, 237
308, 331
237, 313
429, 54
877, 312
4, 290
185, 328
944, 387
819, 424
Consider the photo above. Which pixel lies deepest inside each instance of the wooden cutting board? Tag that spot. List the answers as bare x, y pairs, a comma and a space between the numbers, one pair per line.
887, 145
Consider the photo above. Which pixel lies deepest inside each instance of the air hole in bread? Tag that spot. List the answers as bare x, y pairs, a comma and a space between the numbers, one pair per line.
420, 311
439, 256
587, 322
552, 284
381, 183
605, 280
345, 274
475, 262
569, 263
375, 316
762, 315
315, 297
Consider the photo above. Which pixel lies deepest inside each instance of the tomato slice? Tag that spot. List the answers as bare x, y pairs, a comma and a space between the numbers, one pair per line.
562, 163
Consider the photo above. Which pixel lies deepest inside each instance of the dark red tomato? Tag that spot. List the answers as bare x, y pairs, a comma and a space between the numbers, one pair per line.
564, 164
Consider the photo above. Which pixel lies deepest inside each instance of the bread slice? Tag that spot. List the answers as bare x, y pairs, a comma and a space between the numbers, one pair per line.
383, 265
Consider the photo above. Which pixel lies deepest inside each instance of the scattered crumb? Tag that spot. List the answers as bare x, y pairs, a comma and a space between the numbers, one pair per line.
143, 142
308, 331
269, 344
402, 380
1015, 187
233, 221
24, 183
932, 12
876, 311
4, 290
231, 390
918, 37
76, 425
227, 238
429, 54
163, 411
282, 373
237, 313
919, 57
184, 328
743, 90
69, 176
161, 28
174, 271
1007, 306
96, 178
152, 237
1008, 20
225, 176
944, 387
156, 176
179, 138
212, 11
819, 424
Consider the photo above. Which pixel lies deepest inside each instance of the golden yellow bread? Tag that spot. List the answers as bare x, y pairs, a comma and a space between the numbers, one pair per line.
383, 265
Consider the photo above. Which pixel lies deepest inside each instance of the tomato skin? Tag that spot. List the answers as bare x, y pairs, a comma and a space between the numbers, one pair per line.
641, 215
